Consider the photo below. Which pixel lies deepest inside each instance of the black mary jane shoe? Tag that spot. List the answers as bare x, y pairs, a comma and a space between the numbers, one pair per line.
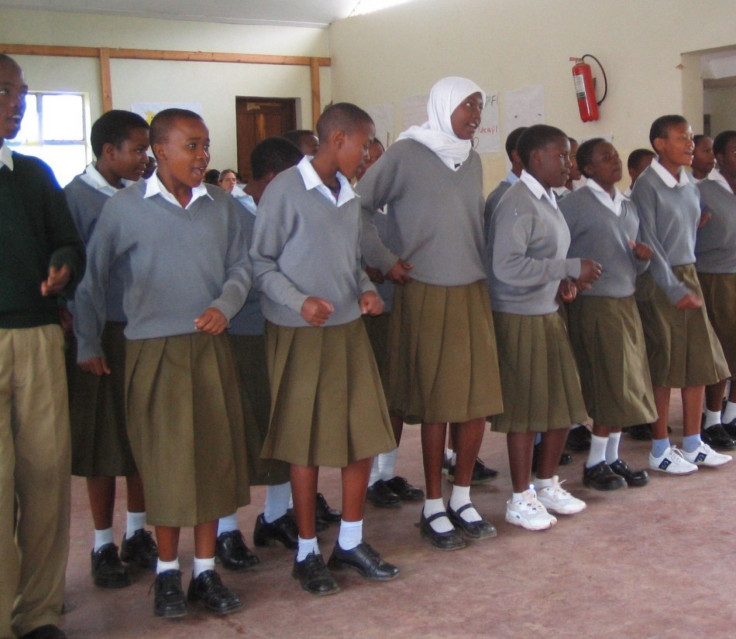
450, 540
480, 529
602, 477
366, 561
216, 597
281, 530
232, 552
314, 576
634, 478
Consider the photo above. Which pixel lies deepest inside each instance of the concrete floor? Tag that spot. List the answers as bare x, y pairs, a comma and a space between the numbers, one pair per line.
646, 562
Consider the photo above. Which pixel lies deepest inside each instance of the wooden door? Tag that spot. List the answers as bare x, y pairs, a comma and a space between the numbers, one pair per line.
257, 119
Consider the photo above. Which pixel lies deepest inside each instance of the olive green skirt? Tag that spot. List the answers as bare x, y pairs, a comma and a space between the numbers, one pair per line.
327, 403
377, 328
719, 293
100, 446
608, 341
249, 352
443, 365
682, 348
541, 387
185, 425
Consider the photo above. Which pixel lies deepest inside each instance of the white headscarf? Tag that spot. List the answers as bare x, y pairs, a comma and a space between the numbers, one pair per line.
437, 133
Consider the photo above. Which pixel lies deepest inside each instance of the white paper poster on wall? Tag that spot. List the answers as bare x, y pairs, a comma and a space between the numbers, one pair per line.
383, 118
489, 135
148, 109
524, 107
415, 110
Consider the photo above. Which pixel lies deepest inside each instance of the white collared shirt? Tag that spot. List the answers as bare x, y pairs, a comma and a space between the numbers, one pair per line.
313, 181
94, 178
667, 177
511, 178
537, 189
6, 157
154, 186
717, 176
613, 203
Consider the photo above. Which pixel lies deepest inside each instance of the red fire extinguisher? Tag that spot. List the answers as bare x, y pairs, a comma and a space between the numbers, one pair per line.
582, 76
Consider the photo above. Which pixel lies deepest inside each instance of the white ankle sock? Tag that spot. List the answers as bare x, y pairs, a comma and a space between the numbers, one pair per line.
432, 506
375, 471
387, 464
163, 566
612, 447
103, 537
277, 501
351, 534
729, 413
543, 483
597, 452
461, 496
227, 523
134, 523
712, 417
307, 546
201, 565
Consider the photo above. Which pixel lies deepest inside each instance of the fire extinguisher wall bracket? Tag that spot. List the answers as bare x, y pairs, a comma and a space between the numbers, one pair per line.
585, 88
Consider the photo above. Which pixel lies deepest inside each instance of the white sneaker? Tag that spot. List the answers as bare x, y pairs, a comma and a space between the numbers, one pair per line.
558, 500
704, 455
528, 512
672, 461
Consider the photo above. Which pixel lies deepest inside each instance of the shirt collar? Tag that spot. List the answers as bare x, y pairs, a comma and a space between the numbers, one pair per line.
716, 176
6, 156
313, 181
537, 189
154, 186
614, 204
667, 177
94, 178
247, 201
511, 178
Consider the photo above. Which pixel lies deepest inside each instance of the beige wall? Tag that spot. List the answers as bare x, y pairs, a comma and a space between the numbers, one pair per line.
722, 109
214, 85
506, 45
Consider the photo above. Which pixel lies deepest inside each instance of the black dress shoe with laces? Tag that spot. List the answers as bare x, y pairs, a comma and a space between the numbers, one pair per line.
216, 597
366, 561
140, 549
232, 552
381, 496
169, 600
450, 540
49, 631
602, 477
405, 491
314, 576
283, 530
325, 512
107, 570
634, 478
480, 529
717, 437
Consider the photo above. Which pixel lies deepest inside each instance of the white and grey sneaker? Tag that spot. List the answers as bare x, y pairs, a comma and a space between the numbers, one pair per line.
558, 500
528, 512
704, 455
672, 461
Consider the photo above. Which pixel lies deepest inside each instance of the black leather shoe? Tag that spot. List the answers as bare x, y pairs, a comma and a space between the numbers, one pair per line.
232, 552
404, 489
325, 512
717, 437
282, 530
480, 529
314, 576
216, 597
140, 549
481, 473
634, 478
365, 560
381, 496
565, 458
730, 428
578, 439
601, 477
107, 571
450, 540
49, 631
640, 432
169, 600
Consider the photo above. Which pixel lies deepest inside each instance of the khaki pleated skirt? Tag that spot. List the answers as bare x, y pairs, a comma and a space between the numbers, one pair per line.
377, 328
682, 347
608, 341
442, 357
100, 446
249, 352
541, 387
185, 425
719, 293
327, 403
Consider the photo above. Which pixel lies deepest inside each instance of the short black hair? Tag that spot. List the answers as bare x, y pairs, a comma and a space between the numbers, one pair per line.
721, 140
295, 136
513, 139
636, 156
661, 126
6, 59
344, 116
697, 138
164, 120
114, 128
212, 176
584, 155
273, 155
535, 137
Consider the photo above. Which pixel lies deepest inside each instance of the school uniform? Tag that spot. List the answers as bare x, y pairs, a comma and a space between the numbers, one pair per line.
528, 242
442, 351
683, 350
185, 421
327, 406
100, 445
604, 324
494, 197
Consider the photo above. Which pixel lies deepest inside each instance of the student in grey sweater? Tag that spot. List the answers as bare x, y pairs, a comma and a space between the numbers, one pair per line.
716, 266
603, 321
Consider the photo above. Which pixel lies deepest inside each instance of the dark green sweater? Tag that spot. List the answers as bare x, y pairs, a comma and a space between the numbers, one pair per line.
36, 232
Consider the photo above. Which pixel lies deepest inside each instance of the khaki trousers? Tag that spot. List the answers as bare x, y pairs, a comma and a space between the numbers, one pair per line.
35, 466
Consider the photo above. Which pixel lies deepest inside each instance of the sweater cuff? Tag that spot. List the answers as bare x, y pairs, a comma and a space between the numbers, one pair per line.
573, 266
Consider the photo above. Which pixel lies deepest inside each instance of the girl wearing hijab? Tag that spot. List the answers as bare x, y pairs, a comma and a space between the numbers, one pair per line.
442, 351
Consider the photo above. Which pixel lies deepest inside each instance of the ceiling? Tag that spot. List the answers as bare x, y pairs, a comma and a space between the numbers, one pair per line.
302, 13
